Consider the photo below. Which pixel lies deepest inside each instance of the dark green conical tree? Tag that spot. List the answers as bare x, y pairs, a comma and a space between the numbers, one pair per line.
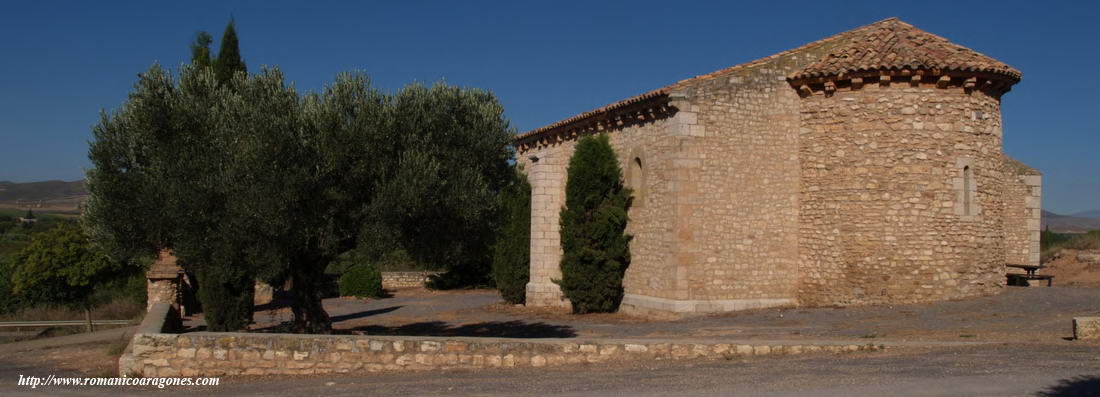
596, 249
512, 251
229, 59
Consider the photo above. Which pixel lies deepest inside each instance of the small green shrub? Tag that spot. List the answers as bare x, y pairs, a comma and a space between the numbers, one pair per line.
361, 281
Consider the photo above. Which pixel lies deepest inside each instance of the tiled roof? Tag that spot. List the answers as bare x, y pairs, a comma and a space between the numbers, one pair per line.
614, 106
889, 43
893, 44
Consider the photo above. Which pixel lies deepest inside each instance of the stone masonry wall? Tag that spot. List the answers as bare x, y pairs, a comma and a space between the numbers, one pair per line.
737, 196
1022, 214
161, 290
221, 354
883, 192
735, 189
650, 270
394, 280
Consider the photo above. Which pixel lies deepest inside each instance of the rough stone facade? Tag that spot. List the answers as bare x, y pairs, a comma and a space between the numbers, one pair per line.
831, 174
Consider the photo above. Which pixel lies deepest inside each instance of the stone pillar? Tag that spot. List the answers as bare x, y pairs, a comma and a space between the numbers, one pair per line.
264, 293
547, 177
1033, 204
164, 279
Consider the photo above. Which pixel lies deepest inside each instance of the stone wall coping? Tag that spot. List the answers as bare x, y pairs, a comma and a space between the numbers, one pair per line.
154, 320
575, 341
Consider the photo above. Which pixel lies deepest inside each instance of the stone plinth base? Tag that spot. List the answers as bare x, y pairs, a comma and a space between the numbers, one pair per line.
546, 295
263, 294
661, 308
1086, 328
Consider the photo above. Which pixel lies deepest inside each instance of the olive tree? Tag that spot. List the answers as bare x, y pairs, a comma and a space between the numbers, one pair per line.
250, 180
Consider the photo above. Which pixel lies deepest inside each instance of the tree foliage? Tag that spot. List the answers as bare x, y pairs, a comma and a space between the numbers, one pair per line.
200, 50
229, 60
512, 250
61, 266
595, 246
250, 179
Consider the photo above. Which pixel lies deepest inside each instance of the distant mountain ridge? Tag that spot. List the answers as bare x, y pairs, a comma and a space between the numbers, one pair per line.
1070, 223
62, 195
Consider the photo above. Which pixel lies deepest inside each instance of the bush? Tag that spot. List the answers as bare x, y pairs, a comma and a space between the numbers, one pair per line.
512, 251
1053, 243
361, 281
596, 249
226, 300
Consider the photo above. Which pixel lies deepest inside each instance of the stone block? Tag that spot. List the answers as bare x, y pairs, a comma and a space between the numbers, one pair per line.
1086, 328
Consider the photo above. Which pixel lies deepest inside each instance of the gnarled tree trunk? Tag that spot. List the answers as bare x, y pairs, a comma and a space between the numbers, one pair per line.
309, 313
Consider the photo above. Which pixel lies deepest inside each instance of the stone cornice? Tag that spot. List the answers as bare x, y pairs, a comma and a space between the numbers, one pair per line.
992, 84
642, 109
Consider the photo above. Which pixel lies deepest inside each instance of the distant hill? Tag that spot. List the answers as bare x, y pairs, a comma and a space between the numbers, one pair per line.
47, 195
1087, 214
1069, 224
34, 191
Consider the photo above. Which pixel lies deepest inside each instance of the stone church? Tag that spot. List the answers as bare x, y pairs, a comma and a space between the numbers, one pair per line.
864, 168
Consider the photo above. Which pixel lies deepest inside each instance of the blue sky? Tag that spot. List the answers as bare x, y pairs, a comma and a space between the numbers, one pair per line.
64, 61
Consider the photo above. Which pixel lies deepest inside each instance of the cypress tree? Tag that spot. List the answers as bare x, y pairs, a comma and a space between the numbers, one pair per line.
512, 251
596, 249
229, 59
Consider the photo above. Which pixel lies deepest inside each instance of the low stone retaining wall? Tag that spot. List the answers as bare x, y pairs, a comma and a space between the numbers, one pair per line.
217, 354
395, 280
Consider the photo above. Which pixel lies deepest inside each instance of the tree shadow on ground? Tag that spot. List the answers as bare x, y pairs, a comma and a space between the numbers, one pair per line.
288, 326
368, 313
494, 329
283, 299
1072, 387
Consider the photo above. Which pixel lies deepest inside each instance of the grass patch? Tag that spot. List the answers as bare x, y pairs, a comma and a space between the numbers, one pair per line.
871, 335
968, 336
1053, 243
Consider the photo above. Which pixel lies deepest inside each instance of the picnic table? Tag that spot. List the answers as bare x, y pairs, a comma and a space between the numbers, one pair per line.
1016, 278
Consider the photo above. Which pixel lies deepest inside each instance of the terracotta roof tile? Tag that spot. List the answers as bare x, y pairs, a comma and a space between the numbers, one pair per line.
893, 44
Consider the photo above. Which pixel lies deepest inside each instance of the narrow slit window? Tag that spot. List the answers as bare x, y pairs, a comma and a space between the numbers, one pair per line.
637, 182
968, 191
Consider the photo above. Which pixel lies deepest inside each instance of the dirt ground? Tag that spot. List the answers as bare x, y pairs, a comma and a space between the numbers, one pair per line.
1073, 267
1018, 314
1005, 369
